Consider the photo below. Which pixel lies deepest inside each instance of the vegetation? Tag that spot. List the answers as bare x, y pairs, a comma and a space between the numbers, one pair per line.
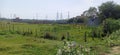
109, 10
34, 39
64, 39
110, 25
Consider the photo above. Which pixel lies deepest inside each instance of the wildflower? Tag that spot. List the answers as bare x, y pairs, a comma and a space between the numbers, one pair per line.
73, 44
59, 52
87, 49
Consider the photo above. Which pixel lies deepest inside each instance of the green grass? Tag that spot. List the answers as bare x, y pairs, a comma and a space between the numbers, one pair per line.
13, 42
22, 45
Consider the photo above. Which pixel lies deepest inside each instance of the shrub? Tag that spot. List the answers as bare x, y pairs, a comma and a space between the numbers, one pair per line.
48, 36
110, 25
5, 49
63, 37
2, 33
26, 33
72, 48
113, 39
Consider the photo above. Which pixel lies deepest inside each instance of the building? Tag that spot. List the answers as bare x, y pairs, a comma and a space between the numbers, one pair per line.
17, 19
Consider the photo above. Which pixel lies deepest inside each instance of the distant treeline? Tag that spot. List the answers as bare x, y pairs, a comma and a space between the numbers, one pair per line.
32, 21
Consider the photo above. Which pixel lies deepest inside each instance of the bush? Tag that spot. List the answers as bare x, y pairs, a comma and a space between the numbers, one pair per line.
5, 48
2, 33
114, 38
48, 36
73, 48
110, 25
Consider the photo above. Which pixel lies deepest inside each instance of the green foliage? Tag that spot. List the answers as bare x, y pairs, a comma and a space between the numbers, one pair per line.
34, 43
109, 10
5, 49
3, 33
90, 12
26, 46
110, 25
113, 39
48, 36
85, 37
76, 20
63, 37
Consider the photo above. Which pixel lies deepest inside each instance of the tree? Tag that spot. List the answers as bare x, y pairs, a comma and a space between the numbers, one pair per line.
90, 12
77, 19
109, 10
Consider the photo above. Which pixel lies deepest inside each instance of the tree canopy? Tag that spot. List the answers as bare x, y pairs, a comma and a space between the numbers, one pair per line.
90, 12
106, 10
109, 10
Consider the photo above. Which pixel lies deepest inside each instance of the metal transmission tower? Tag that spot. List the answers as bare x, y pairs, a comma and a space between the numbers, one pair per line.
14, 16
36, 16
0, 14
68, 15
57, 16
61, 16
46, 17
11, 16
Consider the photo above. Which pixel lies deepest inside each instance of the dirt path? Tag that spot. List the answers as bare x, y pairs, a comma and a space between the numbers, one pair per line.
115, 51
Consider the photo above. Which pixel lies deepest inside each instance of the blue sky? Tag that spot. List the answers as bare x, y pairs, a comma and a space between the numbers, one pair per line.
39, 9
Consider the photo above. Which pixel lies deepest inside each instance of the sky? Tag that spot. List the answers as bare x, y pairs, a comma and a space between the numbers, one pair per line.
46, 9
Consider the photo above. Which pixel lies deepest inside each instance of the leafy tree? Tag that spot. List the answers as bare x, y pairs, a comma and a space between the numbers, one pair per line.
77, 19
109, 10
90, 12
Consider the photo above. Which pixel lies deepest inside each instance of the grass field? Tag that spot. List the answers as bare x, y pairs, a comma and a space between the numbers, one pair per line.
28, 39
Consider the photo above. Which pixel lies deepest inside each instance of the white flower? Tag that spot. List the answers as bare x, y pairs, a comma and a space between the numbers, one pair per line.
59, 52
73, 44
